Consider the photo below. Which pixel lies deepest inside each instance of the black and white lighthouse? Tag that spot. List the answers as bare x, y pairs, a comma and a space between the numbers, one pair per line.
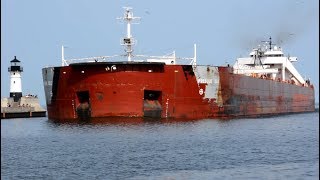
15, 71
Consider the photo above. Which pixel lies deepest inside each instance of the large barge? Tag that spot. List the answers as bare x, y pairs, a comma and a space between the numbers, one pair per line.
264, 83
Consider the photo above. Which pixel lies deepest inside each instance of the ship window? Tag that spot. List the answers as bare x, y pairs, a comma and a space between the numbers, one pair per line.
126, 40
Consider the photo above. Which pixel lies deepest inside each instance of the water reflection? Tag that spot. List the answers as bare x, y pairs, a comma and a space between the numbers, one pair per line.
123, 121
141, 121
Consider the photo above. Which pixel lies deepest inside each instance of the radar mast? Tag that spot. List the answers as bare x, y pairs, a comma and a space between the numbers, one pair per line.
128, 41
269, 42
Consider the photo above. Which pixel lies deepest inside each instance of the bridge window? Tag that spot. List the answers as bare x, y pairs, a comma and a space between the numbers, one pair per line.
127, 41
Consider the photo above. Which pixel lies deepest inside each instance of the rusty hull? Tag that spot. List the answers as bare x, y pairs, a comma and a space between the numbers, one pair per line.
123, 89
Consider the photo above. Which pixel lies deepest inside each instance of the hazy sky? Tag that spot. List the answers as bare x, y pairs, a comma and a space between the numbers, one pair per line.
35, 30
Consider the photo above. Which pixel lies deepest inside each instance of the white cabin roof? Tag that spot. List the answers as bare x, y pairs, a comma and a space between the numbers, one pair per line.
273, 52
269, 60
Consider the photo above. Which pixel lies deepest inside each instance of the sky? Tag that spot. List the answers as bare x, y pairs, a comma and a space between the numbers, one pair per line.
35, 30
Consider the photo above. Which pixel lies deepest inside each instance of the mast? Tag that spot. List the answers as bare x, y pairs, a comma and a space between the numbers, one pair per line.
269, 42
62, 55
128, 41
195, 55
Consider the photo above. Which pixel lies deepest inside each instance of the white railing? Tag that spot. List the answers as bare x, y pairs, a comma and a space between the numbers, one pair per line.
167, 59
66, 62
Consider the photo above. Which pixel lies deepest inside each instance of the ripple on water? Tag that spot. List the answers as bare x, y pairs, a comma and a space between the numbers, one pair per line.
284, 147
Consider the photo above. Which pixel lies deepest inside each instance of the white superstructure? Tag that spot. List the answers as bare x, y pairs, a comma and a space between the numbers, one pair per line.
269, 62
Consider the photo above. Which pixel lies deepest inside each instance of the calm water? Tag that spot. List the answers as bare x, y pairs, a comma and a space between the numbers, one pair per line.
283, 147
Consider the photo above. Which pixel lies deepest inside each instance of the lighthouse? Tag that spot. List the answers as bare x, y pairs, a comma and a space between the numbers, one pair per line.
15, 71
18, 106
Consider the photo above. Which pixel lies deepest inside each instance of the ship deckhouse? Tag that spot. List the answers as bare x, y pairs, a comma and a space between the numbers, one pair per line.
270, 63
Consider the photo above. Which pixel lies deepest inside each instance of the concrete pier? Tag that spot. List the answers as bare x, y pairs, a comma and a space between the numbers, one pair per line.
27, 107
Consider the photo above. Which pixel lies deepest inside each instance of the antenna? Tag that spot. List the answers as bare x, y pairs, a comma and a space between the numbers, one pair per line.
128, 41
195, 55
270, 43
62, 56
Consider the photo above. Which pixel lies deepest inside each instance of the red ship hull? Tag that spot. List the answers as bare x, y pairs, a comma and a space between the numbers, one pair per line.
114, 89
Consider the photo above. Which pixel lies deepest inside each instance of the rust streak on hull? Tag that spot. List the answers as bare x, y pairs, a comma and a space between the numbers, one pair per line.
169, 91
